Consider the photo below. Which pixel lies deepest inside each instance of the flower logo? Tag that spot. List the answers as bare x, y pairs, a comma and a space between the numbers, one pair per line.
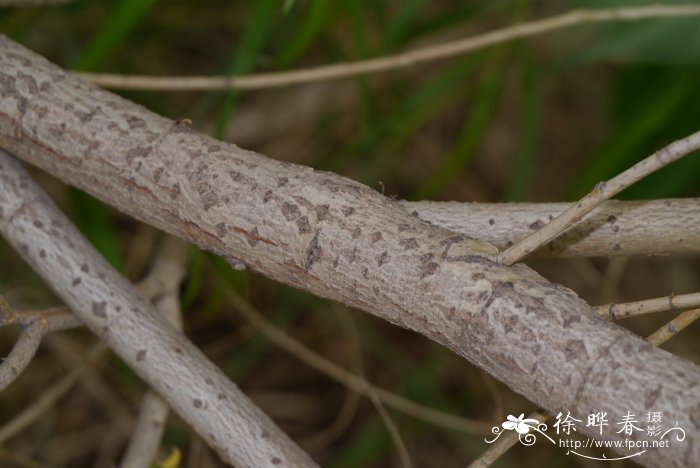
520, 424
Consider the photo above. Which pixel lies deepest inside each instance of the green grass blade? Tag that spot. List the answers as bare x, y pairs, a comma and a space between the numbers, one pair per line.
525, 161
473, 130
246, 57
120, 23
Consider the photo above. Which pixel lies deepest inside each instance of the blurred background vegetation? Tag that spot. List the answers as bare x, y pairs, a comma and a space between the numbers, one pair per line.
541, 119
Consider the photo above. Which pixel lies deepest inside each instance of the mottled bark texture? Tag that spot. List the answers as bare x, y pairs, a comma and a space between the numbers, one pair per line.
339, 239
648, 227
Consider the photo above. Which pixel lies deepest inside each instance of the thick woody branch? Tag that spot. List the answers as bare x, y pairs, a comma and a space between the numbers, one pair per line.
650, 227
338, 239
112, 308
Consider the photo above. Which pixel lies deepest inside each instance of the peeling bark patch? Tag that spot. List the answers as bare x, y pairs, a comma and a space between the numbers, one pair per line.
100, 309
158, 173
357, 232
428, 269
409, 244
134, 122
353, 255
537, 225
303, 225
426, 257
175, 191
313, 252
221, 229
141, 355
574, 349
376, 237
322, 212
383, 258
290, 211
652, 396
253, 238
138, 152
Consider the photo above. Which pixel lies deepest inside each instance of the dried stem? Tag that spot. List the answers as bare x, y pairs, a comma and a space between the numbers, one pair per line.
382, 64
615, 228
35, 325
347, 378
660, 304
673, 327
49, 397
601, 192
503, 444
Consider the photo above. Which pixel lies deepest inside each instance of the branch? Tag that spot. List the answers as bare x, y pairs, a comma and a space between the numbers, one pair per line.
632, 309
381, 64
624, 228
338, 239
113, 309
167, 273
601, 192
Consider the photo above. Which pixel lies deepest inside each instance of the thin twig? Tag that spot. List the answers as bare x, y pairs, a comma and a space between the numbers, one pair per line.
35, 325
349, 379
381, 64
503, 444
393, 430
601, 192
660, 304
668, 331
49, 397
351, 402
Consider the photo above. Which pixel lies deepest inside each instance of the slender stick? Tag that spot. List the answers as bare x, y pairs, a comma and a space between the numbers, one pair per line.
382, 64
349, 379
601, 192
668, 331
660, 304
